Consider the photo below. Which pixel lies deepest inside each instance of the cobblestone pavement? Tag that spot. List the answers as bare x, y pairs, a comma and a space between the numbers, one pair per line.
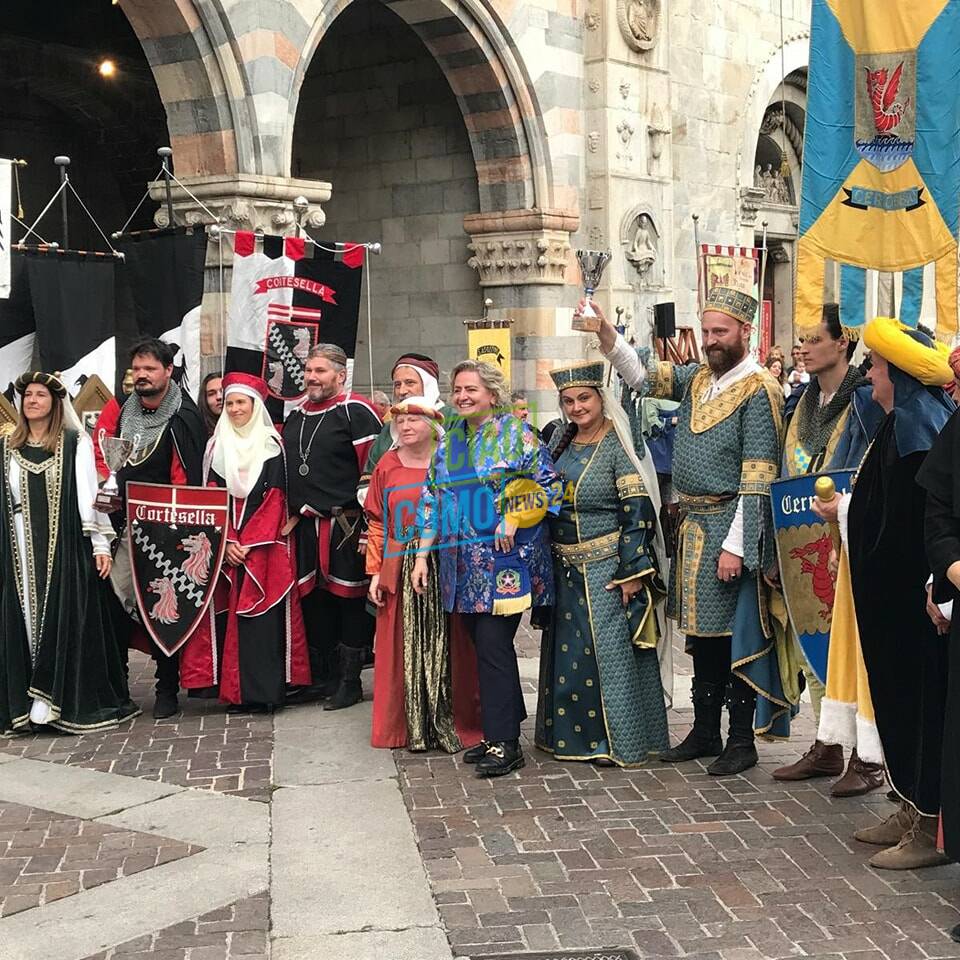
46, 856
234, 932
666, 860
201, 747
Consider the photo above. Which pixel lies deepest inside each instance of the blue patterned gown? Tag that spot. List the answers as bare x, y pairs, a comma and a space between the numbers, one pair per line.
600, 688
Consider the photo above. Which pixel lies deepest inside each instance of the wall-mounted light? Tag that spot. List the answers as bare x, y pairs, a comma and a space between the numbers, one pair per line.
107, 68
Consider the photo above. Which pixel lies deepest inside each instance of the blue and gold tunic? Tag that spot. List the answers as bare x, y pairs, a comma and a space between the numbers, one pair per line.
726, 453
600, 688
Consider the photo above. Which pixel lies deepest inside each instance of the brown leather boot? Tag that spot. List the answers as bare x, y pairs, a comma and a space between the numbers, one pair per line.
861, 777
891, 831
821, 760
916, 850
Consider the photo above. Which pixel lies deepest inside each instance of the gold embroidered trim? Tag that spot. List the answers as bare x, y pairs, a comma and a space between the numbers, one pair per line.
756, 476
691, 542
703, 416
630, 485
661, 380
708, 503
599, 548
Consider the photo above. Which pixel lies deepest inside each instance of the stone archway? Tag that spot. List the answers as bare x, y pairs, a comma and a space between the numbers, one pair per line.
496, 98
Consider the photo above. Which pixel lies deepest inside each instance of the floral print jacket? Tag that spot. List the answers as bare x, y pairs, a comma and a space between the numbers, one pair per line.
462, 503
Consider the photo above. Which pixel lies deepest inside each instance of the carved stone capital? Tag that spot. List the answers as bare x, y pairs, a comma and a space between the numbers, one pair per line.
242, 202
751, 200
520, 247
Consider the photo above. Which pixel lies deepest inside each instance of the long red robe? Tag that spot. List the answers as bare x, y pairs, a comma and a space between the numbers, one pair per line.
264, 624
400, 486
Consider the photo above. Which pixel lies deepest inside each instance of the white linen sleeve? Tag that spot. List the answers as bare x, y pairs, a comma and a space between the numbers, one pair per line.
734, 540
95, 525
627, 363
843, 514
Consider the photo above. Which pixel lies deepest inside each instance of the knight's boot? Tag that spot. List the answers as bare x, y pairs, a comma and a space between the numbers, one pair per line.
740, 753
350, 691
891, 831
704, 738
917, 848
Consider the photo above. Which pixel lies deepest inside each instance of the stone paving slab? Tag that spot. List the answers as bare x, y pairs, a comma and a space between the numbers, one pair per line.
46, 856
202, 747
237, 931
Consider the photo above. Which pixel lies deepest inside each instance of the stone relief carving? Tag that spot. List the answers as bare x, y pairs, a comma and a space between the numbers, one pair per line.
595, 238
594, 85
624, 89
639, 22
657, 132
644, 249
773, 184
626, 131
593, 141
592, 20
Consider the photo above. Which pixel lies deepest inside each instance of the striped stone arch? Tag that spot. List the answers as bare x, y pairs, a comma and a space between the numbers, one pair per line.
200, 82
495, 95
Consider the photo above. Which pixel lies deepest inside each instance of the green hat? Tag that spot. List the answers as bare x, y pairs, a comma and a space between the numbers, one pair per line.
736, 304
582, 375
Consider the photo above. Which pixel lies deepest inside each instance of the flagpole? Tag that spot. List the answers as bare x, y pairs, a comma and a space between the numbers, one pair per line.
63, 162
165, 154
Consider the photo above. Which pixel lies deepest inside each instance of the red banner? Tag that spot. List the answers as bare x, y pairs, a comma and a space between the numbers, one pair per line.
297, 283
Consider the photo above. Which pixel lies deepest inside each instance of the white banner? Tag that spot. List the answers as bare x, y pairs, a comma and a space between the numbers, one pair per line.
6, 226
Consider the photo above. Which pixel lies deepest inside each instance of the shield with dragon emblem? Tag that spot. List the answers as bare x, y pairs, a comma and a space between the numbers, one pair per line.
886, 108
289, 339
805, 544
177, 539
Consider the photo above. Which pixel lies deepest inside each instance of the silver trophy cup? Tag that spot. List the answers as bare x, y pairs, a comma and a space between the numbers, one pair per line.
592, 264
116, 452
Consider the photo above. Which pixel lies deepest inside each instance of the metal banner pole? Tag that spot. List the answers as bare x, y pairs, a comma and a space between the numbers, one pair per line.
63, 162
165, 153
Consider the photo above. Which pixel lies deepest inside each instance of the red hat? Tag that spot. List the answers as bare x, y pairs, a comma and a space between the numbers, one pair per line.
252, 386
419, 362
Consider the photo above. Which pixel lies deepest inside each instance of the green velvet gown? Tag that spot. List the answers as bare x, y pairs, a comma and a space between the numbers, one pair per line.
601, 695
57, 643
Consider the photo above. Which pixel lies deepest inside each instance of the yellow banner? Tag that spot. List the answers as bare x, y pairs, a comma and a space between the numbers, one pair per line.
491, 345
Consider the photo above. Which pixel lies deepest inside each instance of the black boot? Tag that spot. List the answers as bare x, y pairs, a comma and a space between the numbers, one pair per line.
740, 753
477, 753
349, 692
704, 739
168, 686
500, 759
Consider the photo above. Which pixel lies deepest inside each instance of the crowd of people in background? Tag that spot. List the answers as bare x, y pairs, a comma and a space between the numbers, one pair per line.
402, 527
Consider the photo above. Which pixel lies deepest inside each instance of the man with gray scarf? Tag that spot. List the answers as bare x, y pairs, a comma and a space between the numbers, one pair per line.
170, 439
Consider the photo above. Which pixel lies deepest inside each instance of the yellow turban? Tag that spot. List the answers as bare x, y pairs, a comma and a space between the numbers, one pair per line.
891, 339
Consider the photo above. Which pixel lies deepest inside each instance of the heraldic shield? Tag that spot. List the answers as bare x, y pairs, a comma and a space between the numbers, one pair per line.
804, 544
285, 354
178, 536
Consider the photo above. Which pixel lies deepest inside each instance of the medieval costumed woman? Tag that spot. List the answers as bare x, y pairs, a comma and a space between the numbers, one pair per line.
425, 689
264, 645
491, 568
60, 662
887, 666
601, 691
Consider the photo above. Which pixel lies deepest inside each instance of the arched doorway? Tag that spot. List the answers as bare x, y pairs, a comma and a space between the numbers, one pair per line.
377, 118
56, 101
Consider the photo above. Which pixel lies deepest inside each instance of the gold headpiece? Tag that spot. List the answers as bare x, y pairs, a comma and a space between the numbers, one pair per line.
581, 375
736, 304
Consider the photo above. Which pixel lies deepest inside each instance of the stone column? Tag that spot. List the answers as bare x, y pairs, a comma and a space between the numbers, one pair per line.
525, 265
239, 201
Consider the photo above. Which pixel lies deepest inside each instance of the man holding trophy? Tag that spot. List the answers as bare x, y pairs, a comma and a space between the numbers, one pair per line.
160, 438
727, 452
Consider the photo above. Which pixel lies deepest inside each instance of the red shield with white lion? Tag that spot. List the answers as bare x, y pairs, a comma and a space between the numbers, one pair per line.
177, 539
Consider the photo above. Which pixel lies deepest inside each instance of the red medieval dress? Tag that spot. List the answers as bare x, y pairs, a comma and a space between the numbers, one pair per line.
425, 688
263, 649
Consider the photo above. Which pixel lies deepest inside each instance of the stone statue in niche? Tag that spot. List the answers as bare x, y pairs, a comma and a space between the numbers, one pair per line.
639, 22
643, 250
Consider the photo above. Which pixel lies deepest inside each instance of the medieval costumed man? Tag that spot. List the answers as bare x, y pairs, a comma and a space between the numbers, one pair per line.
60, 663
887, 667
164, 426
327, 440
726, 454
602, 682
264, 649
829, 428
425, 687
940, 477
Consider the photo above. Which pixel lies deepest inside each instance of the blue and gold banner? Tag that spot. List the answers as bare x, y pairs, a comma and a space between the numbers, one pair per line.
881, 164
